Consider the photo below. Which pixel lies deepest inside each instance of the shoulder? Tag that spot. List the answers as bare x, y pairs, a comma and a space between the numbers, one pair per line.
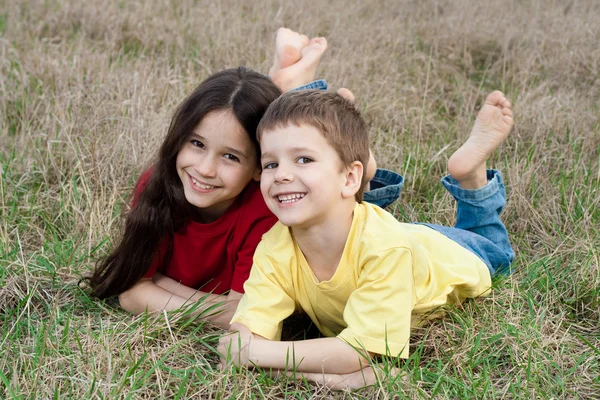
250, 217
277, 240
252, 202
142, 183
378, 229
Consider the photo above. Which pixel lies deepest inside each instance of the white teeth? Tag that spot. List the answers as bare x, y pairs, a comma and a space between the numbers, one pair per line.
290, 198
201, 185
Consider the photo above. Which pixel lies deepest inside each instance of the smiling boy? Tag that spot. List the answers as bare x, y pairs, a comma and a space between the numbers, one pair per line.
363, 277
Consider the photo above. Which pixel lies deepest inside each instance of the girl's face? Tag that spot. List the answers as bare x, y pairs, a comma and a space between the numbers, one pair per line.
216, 163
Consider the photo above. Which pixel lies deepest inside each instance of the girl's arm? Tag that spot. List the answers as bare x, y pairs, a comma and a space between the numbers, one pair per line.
324, 356
167, 294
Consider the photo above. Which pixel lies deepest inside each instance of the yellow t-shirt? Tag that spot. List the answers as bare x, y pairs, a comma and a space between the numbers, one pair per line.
389, 276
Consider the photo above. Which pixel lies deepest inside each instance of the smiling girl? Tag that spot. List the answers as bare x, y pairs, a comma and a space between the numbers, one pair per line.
198, 213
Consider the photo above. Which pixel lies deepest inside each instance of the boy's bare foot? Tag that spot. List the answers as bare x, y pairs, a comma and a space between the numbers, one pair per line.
303, 71
370, 172
493, 124
288, 49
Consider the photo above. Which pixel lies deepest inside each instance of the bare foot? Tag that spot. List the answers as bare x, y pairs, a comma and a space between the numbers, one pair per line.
303, 71
288, 49
347, 94
492, 125
370, 172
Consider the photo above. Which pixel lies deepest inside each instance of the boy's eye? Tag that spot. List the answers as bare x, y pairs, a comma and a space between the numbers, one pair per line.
270, 165
197, 143
304, 160
231, 157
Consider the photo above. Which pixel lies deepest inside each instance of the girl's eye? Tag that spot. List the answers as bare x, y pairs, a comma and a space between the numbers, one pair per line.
304, 160
270, 165
197, 143
231, 157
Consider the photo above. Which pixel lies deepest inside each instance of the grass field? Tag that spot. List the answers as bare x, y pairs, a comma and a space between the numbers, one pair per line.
86, 93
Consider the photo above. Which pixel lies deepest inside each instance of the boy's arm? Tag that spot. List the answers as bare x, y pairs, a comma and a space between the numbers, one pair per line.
325, 355
354, 380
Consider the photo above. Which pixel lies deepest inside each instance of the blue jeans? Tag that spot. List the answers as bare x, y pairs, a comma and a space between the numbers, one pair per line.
385, 188
478, 227
319, 84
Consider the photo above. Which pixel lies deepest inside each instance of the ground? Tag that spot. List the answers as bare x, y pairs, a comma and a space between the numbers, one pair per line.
86, 92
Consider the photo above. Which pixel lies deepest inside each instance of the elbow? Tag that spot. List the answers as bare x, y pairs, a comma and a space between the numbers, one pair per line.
353, 360
127, 301
356, 364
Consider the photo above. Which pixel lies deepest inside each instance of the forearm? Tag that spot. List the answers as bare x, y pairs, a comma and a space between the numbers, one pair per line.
351, 381
149, 296
185, 292
326, 355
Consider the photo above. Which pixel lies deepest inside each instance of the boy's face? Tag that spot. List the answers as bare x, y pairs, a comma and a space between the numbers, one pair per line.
303, 178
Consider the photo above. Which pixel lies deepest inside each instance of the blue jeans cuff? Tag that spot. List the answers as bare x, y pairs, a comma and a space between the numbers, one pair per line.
386, 186
469, 195
319, 84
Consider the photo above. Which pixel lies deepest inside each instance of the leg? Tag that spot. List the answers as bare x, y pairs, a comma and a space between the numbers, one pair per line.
480, 193
385, 188
478, 226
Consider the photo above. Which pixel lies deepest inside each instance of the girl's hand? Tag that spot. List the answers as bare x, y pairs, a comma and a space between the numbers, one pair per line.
234, 348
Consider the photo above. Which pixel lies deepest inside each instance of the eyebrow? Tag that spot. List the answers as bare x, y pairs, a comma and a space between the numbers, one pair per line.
293, 150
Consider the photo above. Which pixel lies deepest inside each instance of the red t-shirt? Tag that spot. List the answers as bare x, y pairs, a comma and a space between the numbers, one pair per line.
216, 257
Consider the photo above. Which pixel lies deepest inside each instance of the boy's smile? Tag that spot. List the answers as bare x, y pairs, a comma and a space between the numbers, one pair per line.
303, 178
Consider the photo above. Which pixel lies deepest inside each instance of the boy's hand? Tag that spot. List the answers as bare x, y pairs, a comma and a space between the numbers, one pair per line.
234, 348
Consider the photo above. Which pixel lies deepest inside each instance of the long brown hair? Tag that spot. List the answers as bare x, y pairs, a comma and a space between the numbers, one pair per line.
162, 208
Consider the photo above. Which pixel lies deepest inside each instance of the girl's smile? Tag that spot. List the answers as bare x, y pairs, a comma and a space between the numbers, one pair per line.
201, 186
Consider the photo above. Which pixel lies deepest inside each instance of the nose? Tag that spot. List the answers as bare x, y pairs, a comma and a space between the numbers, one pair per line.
206, 167
283, 174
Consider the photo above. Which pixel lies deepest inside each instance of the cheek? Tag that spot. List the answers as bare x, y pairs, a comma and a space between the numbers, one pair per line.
179, 161
264, 184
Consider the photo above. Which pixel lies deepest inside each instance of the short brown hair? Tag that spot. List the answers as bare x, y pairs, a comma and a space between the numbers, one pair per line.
336, 118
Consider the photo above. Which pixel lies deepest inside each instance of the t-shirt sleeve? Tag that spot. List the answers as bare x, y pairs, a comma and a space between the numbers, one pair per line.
141, 185
378, 312
268, 297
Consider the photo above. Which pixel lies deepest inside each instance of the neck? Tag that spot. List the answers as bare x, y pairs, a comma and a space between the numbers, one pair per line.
323, 244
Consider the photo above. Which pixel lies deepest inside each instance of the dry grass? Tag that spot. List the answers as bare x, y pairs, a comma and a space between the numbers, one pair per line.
86, 91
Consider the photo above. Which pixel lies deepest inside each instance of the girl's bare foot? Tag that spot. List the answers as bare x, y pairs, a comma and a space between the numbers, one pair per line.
303, 71
288, 49
493, 124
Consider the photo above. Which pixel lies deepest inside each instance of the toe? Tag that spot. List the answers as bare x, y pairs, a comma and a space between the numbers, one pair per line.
494, 98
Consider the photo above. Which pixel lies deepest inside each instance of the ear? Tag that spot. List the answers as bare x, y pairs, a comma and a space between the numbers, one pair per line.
353, 183
256, 175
